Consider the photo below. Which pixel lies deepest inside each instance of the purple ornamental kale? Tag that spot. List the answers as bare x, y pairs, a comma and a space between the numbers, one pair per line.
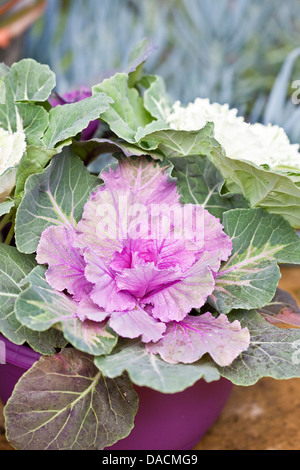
141, 261
73, 97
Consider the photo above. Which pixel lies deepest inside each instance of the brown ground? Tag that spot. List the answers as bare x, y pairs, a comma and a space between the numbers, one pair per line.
263, 417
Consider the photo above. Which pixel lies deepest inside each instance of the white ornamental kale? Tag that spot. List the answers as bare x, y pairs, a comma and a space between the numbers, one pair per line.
12, 148
256, 143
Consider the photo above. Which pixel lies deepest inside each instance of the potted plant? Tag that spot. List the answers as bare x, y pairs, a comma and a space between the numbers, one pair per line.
142, 263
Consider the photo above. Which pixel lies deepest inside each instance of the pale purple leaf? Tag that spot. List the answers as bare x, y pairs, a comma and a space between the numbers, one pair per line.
66, 264
189, 340
88, 310
99, 228
175, 301
136, 323
105, 292
176, 253
145, 178
215, 239
111, 214
145, 279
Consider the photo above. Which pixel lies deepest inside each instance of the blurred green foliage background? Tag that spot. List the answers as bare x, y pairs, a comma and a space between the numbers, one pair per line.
242, 52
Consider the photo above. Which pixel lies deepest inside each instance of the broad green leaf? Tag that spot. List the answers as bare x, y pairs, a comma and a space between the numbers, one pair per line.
33, 161
2, 92
30, 81
29, 118
144, 135
65, 403
174, 143
54, 197
68, 120
273, 352
95, 147
4, 69
5, 207
273, 191
40, 307
140, 53
127, 113
156, 100
46, 342
24, 85
260, 241
35, 121
14, 267
9, 116
199, 182
138, 57
148, 370
90, 337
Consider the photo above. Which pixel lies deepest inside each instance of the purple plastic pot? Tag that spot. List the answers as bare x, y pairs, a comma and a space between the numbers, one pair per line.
163, 422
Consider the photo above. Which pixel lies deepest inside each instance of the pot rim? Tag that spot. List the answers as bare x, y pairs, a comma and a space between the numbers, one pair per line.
21, 356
